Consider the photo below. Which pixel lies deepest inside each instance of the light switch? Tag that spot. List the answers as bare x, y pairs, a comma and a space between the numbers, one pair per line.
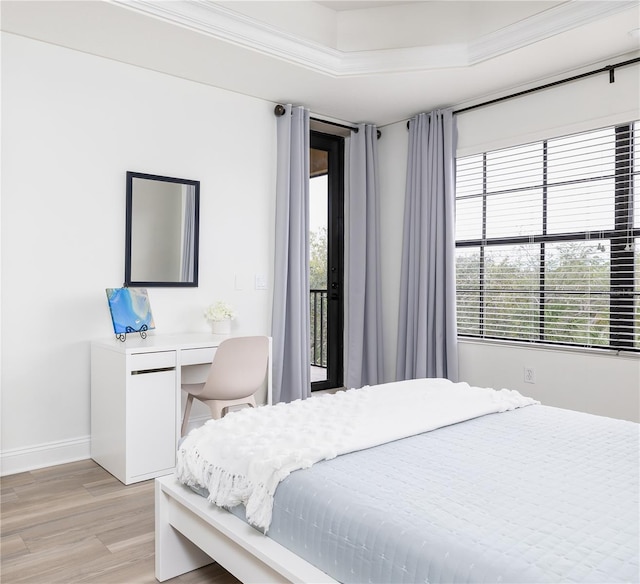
261, 282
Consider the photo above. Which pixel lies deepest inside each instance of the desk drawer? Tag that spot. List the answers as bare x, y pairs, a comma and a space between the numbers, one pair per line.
197, 356
147, 361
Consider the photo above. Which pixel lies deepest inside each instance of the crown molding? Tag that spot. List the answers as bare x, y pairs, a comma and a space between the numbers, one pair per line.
230, 26
227, 25
544, 25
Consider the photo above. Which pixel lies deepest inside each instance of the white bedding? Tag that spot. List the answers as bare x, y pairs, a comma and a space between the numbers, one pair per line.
243, 457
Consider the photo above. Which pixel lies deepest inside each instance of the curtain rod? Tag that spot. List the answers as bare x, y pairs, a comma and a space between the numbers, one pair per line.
336, 124
279, 111
607, 69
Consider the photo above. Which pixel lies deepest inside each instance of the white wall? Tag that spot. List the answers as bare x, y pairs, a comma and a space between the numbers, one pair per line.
72, 125
589, 381
593, 381
589, 103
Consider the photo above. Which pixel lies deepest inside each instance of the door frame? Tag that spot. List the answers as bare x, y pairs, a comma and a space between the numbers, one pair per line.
334, 146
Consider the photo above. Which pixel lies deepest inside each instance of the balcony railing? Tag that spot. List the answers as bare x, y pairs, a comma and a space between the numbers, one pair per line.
318, 311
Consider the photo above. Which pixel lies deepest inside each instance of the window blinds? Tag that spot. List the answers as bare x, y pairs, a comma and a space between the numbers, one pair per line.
548, 241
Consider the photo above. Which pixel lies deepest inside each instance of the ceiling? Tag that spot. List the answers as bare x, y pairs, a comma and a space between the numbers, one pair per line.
355, 61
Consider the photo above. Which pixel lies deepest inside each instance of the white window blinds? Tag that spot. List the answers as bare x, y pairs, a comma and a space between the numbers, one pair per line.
548, 241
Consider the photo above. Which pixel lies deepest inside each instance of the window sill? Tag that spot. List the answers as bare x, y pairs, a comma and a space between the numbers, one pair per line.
596, 352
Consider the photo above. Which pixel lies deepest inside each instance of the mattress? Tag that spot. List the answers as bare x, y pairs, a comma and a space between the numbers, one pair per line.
537, 494
241, 458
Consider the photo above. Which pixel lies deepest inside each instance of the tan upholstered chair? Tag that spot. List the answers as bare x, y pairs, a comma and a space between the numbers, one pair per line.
238, 370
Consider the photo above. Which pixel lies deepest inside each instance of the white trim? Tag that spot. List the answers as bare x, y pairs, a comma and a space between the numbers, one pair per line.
48, 454
401, 60
228, 25
543, 25
30, 458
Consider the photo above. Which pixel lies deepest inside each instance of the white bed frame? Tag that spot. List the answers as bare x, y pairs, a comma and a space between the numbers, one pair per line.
191, 533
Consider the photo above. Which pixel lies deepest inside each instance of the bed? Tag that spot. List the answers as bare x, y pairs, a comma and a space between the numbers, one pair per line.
497, 488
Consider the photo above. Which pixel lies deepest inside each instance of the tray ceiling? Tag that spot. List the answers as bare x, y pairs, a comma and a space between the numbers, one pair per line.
377, 62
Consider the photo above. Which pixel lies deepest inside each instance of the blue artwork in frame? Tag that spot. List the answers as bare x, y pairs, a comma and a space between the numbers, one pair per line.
130, 311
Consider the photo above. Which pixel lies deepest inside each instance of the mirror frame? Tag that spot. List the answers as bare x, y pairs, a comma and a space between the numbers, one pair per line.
128, 281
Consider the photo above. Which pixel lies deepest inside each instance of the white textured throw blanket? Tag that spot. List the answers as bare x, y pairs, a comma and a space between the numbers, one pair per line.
242, 457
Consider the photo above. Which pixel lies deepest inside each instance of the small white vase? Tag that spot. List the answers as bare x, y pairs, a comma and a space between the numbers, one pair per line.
221, 327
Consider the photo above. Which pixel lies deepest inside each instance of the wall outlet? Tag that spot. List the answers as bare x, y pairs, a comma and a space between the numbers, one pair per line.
529, 375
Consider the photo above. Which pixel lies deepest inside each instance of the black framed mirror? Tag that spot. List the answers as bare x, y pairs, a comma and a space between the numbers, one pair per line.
162, 231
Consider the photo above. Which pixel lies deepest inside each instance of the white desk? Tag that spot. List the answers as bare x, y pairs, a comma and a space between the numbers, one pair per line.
136, 400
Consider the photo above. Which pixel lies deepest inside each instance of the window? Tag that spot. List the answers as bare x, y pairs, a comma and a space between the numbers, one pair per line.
548, 241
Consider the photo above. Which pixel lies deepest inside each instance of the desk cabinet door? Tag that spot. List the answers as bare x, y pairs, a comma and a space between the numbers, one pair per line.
151, 422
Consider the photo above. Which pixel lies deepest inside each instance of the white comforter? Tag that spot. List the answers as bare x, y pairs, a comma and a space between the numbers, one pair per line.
243, 457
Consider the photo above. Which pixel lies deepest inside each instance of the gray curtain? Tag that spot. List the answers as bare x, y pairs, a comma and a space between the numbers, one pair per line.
364, 327
427, 334
290, 324
188, 228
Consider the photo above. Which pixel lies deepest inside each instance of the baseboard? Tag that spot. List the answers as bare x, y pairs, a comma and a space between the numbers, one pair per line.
49, 454
54, 453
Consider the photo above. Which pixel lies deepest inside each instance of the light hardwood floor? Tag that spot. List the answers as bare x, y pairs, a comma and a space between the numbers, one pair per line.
76, 523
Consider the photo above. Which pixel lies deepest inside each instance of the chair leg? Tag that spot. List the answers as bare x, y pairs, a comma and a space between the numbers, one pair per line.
187, 412
216, 408
220, 407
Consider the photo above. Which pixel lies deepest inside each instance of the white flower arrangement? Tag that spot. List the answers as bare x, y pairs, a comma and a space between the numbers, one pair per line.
219, 311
